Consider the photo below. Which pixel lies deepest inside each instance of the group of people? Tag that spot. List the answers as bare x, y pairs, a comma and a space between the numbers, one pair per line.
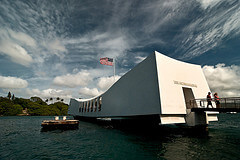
216, 99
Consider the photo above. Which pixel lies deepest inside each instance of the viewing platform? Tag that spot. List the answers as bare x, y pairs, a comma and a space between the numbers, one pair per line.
227, 105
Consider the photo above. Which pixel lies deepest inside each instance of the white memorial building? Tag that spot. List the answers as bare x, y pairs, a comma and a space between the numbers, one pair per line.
159, 87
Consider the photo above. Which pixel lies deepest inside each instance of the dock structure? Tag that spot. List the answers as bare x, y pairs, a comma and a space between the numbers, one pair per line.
158, 90
59, 124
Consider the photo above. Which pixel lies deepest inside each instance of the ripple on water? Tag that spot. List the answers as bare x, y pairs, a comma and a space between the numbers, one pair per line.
21, 138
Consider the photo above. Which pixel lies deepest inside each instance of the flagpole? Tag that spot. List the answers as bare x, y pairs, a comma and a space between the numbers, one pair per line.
114, 68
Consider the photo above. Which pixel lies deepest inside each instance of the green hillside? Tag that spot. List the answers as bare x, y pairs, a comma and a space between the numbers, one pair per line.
34, 106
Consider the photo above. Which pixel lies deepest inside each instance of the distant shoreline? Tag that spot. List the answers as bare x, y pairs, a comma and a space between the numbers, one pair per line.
34, 106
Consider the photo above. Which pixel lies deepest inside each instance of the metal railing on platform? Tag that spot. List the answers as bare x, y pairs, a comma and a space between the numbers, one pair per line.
225, 102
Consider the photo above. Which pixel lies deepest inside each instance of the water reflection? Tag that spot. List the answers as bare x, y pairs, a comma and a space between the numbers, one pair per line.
167, 141
172, 142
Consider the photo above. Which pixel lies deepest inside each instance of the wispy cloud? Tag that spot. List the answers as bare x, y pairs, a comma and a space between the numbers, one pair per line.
100, 43
139, 59
56, 45
210, 29
53, 39
208, 3
16, 53
12, 43
35, 28
22, 38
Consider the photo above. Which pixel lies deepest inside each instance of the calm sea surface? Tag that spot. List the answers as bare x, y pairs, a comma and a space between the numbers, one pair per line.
21, 138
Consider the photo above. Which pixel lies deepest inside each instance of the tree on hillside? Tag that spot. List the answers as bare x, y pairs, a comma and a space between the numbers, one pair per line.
25, 103
9, 95
59, 108
58, 98
51, 99
62, 100
8, 108
46, 100
13, 97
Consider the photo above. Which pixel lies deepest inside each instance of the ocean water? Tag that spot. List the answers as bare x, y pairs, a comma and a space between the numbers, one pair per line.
22, 138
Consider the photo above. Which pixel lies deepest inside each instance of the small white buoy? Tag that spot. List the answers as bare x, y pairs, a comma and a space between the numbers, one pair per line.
56, 118
64, 118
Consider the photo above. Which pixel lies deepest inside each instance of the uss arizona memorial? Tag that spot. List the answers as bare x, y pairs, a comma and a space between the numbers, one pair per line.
159, 87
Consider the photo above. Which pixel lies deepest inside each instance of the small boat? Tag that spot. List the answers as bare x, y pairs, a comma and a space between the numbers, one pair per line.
59, 124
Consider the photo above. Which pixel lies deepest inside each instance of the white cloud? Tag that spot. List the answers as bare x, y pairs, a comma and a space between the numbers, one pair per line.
49, 93
12, 82
40, 31
73, 80
223, 79
88, 93
104, 83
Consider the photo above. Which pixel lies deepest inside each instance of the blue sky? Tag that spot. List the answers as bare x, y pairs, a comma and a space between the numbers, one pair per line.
52, 48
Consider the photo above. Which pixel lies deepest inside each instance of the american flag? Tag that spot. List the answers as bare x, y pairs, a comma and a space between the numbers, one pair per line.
106, 61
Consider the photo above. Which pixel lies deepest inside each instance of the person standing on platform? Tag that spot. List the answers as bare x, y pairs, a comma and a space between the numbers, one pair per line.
216, 98
209, 100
